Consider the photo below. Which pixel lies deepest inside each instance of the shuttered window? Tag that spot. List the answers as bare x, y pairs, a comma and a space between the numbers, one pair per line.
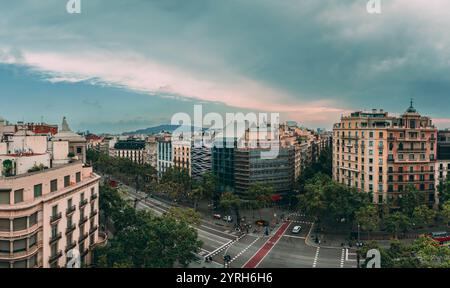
4, 225
5, 196
18, 196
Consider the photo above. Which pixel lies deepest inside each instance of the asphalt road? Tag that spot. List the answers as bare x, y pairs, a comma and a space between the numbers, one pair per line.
282, 249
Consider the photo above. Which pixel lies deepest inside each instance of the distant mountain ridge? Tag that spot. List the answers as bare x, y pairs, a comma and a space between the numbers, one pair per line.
157, 129
153, 130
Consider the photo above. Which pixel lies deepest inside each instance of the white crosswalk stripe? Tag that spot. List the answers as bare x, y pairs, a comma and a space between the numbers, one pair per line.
343, 257
316, 257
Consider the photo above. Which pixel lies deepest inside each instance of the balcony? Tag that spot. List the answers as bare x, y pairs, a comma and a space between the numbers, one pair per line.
84, 252
70, 228
83, 237
93, 213
70, 246
83, 203
93, 229
55, 238
55, 217
55, 256
93, 197
83, 220
70, 210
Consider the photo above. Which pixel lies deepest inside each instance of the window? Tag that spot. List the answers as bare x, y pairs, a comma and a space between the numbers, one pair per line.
20, 264
33, 219
5, 196
20, 224
78, 177
32, 241
32, 262
66, 181
54, 210
54, 249
69, 221
79, 150
69, 238
37, 190
54, 185
54, 230
4, 246
20, 245
18, 196
5, 225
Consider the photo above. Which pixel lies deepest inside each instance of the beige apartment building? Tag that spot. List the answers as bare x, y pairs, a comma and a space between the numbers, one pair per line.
181, 151
48, 206
382, 154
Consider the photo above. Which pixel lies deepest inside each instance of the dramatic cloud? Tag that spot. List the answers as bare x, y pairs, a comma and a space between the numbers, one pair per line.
310, 60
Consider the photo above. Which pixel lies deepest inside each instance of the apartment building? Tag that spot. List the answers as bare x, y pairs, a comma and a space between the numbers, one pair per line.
378, 153
443, 145
181, 151
48, 204
132, 149
164, 153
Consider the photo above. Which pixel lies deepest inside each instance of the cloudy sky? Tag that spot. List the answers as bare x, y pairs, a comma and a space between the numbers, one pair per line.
123, 65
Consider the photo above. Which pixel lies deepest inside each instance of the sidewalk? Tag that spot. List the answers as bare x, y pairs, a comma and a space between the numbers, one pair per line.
338, 241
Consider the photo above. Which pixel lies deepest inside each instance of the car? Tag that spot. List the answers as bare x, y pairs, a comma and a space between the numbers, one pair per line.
227, 218
296, 229
261, 222
217, 216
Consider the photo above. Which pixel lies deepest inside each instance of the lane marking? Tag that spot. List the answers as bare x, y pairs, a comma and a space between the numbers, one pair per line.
297, 237
343, 257
244, 250
316, 257
257, 258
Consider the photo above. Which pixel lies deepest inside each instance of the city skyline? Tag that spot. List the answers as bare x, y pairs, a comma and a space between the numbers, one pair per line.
311, 61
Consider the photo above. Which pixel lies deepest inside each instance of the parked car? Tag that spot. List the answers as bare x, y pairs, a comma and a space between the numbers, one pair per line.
296, 229
227, 218
217, 216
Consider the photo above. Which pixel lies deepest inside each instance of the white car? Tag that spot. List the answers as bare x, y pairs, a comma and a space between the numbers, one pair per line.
227, 218
296, 229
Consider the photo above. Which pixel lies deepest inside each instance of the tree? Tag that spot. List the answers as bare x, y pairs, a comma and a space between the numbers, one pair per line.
397, 222
187, 215
367, 218
411, 199
259, 196
231, 202
422, 215
444, 190
445, 212
330, 202
141, 239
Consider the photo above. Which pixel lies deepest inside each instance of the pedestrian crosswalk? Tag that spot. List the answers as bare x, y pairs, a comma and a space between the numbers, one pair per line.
316, 257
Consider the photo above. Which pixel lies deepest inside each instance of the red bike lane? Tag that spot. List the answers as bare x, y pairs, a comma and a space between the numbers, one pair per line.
265, 249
